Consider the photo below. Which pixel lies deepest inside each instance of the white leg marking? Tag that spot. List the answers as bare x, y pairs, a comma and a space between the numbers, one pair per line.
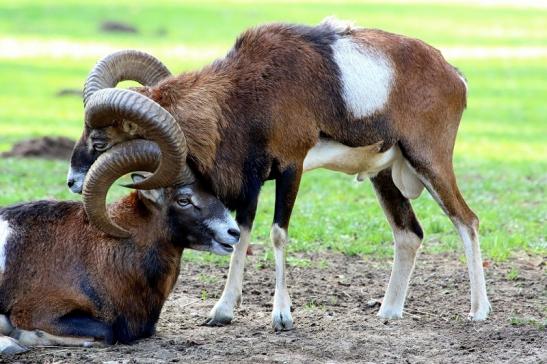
42, 338
223, 311
480, 307
366, 76
5, 325
10, 346
4, 235
406, 246
281, 314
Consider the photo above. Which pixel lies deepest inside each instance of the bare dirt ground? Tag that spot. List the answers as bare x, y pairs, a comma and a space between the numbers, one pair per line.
336, 319
48, 147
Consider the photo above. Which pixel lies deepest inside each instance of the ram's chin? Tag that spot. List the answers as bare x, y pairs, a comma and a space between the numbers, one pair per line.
220, 248
215, 247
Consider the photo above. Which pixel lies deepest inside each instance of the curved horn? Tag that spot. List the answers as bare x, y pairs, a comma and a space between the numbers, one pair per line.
135, 155
124, 65
158, 124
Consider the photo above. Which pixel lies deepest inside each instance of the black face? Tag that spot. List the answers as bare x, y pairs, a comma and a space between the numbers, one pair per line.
197, 219
91, 145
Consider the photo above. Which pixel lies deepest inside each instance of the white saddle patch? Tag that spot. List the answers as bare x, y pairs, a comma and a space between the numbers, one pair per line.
365, 162
366, 76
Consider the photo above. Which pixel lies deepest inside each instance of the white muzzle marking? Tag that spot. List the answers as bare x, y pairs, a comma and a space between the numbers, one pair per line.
78, 178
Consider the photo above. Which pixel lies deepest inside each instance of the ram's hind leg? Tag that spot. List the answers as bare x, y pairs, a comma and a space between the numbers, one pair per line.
42, 338
57, 319
10, 346
433, 165
407, 234
441, 184
75, 329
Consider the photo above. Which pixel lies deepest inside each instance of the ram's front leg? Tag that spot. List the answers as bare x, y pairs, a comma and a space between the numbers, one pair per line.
223, 311
286, 189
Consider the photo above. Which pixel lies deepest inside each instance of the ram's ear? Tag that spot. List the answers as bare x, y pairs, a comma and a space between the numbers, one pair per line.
151, 196
130, 127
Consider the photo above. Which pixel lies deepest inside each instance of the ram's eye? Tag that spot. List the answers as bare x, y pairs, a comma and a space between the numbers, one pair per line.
184, 201
100, 147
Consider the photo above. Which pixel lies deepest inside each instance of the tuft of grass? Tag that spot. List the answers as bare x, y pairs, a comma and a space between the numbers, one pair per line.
204, 295
313, 305
513, 274
207, 278
528, 321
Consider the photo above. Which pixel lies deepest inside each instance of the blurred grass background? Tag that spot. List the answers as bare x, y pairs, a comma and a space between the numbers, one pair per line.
501, 151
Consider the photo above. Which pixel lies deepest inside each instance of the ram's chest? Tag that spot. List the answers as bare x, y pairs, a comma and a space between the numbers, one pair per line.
161, 267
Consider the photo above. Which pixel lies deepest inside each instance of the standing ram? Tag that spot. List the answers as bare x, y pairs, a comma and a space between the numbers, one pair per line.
63, 281
288, 98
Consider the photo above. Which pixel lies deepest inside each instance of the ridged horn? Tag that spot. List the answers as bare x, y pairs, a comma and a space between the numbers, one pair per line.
158, 125
121, 66
135, 155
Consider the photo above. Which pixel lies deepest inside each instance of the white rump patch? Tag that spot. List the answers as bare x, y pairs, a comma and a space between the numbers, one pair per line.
366, 76
4, 234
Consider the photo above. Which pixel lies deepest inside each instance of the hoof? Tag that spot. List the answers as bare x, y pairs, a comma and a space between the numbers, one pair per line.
390, 313
9, 346
215, 322
282, 321
481, 314
220, 315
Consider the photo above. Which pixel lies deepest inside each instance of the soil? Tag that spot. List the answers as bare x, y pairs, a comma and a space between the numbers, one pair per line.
46, 147
335, 304
117, 27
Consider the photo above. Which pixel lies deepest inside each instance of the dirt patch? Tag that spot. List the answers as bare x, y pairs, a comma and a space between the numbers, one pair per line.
69, 92
117, 27
45, 147
335, 317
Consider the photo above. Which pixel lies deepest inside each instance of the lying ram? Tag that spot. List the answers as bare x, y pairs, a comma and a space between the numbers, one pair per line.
289, 98
65, 282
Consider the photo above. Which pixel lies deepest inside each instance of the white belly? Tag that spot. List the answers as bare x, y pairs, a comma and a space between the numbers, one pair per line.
365, 162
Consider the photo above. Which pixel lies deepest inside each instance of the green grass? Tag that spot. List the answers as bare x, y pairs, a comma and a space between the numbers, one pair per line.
501, 151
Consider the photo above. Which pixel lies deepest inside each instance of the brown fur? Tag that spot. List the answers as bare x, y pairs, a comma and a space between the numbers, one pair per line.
272, 91
66, 277
35, 294
254, 115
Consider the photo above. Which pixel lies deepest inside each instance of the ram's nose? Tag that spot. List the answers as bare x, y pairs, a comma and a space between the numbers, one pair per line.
75, 181
234, 233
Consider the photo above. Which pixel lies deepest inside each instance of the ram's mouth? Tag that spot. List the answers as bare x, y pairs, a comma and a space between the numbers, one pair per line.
215, 246
221, 248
